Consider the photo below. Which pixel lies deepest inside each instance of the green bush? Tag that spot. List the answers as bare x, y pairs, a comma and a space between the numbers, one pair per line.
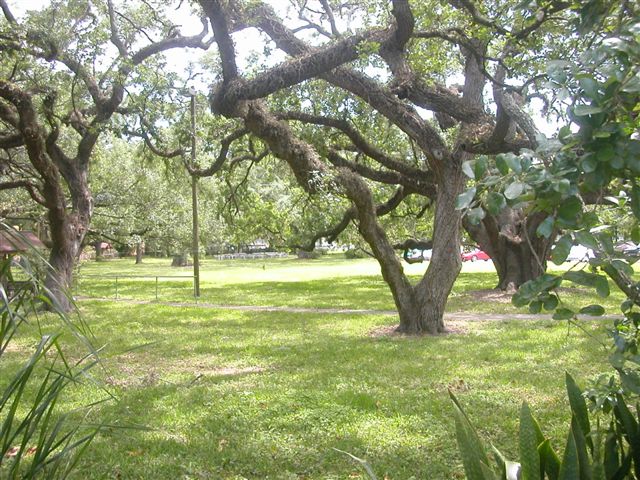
354, 253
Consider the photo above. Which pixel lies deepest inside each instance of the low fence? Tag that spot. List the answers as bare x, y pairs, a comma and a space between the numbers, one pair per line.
156, 279
249, 256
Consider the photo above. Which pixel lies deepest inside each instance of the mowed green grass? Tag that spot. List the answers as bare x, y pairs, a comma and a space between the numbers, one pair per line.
270, 395
328, 282
233, 395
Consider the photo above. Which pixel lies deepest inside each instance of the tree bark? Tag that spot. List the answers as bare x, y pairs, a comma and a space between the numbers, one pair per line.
179, 260
511, 240
138, 253
435, 286
67, 234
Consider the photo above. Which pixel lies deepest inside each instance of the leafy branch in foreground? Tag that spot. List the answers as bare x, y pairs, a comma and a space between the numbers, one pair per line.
37, 438
597, 165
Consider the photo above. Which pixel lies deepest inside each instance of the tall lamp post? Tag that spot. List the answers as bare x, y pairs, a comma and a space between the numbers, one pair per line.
194, 199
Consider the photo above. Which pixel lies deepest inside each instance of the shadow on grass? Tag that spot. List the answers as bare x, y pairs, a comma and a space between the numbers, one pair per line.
324, 384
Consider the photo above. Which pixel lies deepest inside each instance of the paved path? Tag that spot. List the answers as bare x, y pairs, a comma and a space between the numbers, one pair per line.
459, 316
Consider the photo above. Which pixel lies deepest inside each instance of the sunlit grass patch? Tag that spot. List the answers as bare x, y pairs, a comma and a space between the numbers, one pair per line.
328, 282
232, 394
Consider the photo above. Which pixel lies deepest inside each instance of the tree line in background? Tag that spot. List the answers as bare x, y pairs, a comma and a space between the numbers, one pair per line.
378, 117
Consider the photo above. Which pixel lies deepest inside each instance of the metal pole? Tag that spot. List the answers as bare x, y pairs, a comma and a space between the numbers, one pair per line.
194, 200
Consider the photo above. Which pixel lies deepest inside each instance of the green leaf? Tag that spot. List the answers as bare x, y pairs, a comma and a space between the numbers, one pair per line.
582, 110
480, 167
606, 153
465, 198
563, 314
501, 165
530, 290
578, 405
495, 203
535, 307
630, 424
611, 456
562, 186
570, 208
586, 239
561, 250
475, 215
514, 190
513, 162
551, 303
593, 310
589, 280
581, 448
606, 241
589, 163
570, 467
545, 229
632, 85
589, 87
583, 278
471, 448
467, 168
549, 460
626, 306
622, 266
564, 134
529, 441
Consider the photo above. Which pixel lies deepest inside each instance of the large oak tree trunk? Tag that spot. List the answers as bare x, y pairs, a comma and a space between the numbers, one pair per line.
434, 288
68, 229
516, 264
67, 234
511, 240
420, 307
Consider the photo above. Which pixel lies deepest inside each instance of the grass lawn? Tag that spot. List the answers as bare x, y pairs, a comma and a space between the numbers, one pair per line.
244, 395
269, 395
330, 281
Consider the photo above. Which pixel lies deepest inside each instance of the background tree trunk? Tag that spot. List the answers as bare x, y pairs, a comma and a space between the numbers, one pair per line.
138, 253
510, 239
179, 260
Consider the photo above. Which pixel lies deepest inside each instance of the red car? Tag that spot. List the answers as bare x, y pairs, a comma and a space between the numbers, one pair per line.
474, 255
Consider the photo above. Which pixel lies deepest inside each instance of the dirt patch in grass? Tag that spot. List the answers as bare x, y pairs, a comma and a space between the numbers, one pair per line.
453, 328
491, 295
